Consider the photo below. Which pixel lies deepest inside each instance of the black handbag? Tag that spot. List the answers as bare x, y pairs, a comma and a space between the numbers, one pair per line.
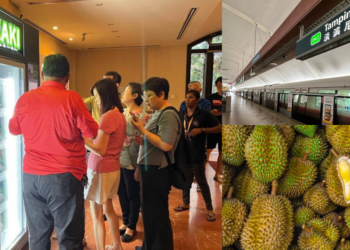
177, 175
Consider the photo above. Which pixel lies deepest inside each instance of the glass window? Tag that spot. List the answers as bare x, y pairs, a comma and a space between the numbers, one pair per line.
325, 91
197, 67
202, 45
344, 92
217, 39
217, 65
296, 98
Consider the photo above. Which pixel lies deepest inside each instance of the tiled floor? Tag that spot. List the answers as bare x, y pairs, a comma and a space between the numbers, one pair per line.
246, 112
191, 229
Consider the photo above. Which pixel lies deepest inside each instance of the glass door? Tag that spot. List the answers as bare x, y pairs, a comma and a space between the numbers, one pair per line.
12, 216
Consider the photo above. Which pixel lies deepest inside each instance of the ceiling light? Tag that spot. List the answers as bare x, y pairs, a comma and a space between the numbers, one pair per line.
55, 27
70, 39
273, 64
99, 4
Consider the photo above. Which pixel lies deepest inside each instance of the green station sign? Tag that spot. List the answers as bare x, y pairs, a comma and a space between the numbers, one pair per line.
11, 34
331, 34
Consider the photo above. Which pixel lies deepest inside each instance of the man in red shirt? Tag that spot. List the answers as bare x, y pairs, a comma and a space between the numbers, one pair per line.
53, 122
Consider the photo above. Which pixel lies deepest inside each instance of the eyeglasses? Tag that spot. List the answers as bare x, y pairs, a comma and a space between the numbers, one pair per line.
146, 97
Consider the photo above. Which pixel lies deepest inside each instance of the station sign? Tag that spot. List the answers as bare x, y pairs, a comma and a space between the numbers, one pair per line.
304, 90
11, 34
329, 35
256, 58
297, 90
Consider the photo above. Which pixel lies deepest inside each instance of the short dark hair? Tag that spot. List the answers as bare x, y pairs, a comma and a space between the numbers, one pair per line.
136, 88
56, 65
109, 95
116, 77
195, 93
218, 80
157, 84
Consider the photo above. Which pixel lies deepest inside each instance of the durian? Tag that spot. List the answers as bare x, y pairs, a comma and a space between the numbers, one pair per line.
228, 174
316, 146
318, 234
303, 215
347, 217
233, 140
343, 245
339, 138
270, 223
266, 153
326, 163
246, 188
317, 198
288, 133
339, 221
334, 183
308, 130
299, 177
234, 213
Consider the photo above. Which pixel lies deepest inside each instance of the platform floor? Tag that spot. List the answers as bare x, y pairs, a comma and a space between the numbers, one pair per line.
190, 228
246, 112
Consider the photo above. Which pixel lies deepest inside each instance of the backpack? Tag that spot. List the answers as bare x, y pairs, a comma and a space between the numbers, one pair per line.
178, 177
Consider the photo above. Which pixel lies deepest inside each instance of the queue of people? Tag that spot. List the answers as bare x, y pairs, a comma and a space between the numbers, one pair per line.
108, 146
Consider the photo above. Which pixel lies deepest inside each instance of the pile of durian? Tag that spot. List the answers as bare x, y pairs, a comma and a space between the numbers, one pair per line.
286, 187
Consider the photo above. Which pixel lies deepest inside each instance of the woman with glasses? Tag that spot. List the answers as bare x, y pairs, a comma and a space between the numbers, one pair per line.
103, 163
197, 123
129, 188
161, 134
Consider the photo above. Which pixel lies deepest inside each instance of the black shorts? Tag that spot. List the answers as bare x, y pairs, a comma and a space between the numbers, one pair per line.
213, 139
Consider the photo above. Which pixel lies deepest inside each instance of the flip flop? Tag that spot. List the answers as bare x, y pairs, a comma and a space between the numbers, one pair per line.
180, 208
217, 179
211, 218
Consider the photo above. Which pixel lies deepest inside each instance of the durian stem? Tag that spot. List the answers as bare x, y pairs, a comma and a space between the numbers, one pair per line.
323, 183
334, 153
230, 192
305, 156
274, 187
342, 243
306, 229
338, 219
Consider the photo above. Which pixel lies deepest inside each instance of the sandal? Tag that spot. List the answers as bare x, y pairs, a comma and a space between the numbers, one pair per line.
217, 179
211, 218
180, 208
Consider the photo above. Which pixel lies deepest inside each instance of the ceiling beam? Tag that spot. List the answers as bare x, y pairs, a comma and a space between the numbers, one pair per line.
247, 18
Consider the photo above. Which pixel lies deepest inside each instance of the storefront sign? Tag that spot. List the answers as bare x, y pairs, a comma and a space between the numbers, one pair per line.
330, 32
290, 102
11, 33
328, 110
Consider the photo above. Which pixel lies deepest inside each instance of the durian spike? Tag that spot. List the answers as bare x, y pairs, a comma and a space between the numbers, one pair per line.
323, 183
230, 192
334, 153
274, 187
342, 243
306, 229
305, 156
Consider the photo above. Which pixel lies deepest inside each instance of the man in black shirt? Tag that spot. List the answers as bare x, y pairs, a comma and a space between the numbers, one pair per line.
214, 139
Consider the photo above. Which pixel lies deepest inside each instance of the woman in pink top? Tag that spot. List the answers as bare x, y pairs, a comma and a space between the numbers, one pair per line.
103, 163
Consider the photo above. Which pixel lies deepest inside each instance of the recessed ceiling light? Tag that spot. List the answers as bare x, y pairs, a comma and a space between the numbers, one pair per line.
99, 4
110, 24
70, 39
273, 64
55, 27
